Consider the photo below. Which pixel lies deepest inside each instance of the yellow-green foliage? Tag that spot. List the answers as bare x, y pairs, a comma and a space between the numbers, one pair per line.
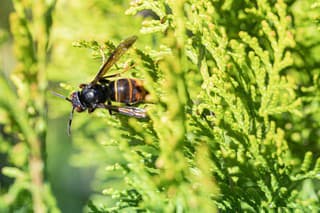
233, 107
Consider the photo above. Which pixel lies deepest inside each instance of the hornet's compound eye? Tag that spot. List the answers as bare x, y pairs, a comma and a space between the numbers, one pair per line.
76, 103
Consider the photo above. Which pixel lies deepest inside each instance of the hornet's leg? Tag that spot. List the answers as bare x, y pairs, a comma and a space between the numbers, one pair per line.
109, 103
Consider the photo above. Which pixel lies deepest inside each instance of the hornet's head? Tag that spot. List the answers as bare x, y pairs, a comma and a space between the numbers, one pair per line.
76, 105
76, 102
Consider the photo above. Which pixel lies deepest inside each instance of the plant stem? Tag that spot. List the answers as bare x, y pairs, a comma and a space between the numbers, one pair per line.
31, 53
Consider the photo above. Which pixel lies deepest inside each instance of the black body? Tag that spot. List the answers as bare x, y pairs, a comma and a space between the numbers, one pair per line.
126, 90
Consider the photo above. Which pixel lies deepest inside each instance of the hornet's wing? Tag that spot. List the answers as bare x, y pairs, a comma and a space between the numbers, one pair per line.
114, 57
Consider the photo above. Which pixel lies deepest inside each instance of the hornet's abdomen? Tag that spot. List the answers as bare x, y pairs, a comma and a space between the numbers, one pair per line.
127, 90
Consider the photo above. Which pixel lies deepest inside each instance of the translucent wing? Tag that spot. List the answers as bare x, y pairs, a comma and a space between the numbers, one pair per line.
114, 57
126, 110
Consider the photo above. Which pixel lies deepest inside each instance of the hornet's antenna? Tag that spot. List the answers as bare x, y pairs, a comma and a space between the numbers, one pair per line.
61, 96
71, 114
70, 121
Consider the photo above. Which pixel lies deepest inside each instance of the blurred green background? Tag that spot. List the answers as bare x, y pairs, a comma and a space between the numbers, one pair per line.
104, 20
